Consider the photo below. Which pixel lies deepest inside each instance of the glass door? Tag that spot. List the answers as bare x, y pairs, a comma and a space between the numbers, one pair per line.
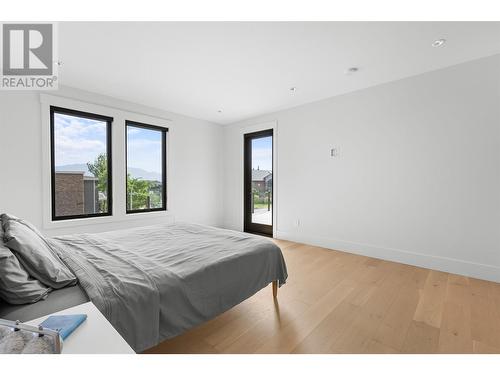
258, 166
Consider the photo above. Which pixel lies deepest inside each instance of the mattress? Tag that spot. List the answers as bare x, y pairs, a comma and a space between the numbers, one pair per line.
57, 300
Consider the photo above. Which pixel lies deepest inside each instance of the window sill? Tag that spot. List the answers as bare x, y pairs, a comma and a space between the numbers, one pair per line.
92, 221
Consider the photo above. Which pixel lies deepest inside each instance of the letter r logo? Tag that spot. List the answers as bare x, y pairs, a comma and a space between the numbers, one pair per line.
27, 49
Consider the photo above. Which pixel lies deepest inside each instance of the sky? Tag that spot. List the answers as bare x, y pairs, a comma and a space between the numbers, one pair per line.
144, 149
262, 155
80, 141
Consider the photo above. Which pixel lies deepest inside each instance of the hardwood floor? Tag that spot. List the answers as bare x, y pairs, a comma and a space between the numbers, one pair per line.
336, 302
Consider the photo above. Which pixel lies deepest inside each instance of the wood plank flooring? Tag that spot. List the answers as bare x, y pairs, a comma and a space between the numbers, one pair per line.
336, 302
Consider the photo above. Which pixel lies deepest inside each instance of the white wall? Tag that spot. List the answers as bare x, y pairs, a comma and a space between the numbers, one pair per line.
417, 179
194, 186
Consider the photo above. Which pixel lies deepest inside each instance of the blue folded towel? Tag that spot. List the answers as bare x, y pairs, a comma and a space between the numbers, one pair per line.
64, 324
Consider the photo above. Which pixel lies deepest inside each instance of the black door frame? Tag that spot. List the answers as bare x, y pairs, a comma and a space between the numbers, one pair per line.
263, 229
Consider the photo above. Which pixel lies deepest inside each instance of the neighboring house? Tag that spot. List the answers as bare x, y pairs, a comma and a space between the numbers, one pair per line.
76, 193
91, 195
262, 180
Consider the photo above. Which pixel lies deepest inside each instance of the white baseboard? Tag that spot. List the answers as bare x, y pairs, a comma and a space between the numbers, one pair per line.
451, 265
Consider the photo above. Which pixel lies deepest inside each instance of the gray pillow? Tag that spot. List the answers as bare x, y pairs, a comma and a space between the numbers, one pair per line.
35, 254
16, 286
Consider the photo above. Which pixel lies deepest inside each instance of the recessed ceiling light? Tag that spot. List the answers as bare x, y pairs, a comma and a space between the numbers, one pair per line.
438, 43
293, 89
352, 70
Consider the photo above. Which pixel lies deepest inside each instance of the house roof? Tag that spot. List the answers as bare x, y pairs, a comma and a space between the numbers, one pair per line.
85, 173
260, 174
70, 172
86, 176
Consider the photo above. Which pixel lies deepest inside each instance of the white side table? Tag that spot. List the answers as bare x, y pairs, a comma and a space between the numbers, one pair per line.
94, 336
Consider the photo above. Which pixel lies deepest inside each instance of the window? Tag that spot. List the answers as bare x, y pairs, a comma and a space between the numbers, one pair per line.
146, 168
80, 164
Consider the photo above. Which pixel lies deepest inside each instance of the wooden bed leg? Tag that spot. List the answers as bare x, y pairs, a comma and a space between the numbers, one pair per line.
275, 289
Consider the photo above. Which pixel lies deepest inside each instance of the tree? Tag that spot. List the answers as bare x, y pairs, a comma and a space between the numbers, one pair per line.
99, 168
137, 193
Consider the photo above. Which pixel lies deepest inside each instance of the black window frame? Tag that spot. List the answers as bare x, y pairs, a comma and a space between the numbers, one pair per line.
164, 131
88, 115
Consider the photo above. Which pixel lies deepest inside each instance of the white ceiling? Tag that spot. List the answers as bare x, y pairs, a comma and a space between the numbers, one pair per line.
247, 69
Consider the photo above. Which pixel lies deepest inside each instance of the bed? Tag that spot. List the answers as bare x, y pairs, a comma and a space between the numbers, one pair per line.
153, 283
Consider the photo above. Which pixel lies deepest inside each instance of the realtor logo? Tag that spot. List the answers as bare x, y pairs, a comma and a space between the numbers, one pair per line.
28, 57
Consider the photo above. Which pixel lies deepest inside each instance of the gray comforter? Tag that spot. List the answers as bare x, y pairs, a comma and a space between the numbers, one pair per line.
153, 283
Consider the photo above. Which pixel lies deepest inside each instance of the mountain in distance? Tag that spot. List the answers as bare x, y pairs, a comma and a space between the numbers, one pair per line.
135, 172
143, 174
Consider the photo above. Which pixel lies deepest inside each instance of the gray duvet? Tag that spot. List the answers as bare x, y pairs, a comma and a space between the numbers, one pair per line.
153, 283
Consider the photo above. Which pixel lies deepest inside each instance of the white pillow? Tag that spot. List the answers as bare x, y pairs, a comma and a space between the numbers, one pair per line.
16, 285
35, 254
